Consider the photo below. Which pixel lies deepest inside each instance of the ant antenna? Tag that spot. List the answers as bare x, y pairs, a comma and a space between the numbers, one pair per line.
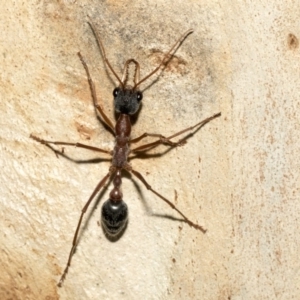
103, 52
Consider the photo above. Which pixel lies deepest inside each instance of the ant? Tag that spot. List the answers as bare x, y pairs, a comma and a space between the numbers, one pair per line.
127, 101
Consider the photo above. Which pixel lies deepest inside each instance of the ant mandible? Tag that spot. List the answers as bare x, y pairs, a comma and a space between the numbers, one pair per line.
127, 101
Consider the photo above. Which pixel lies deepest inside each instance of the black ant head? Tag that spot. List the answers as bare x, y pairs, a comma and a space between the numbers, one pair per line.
127, 100
114, 216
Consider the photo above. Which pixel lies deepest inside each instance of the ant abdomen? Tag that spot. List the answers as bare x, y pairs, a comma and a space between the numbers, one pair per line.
114, 216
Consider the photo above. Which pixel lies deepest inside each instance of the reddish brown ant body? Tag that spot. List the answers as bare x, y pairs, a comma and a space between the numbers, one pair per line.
126, 103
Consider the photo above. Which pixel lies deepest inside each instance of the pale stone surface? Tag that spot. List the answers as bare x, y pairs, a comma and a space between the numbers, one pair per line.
238, 176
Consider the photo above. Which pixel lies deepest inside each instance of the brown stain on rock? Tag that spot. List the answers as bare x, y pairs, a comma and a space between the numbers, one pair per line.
174, 63
292, 41
23, 279
84, 131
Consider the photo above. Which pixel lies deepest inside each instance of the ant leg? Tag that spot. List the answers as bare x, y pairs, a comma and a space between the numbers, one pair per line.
79, 145
166, 140
74, 243
162, 139
99, 42
107, 121
148, 186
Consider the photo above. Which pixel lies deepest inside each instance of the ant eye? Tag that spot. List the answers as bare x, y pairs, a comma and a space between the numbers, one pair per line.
139, 96
116, 92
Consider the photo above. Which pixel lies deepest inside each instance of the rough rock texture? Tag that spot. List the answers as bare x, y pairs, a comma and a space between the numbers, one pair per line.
238, 176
